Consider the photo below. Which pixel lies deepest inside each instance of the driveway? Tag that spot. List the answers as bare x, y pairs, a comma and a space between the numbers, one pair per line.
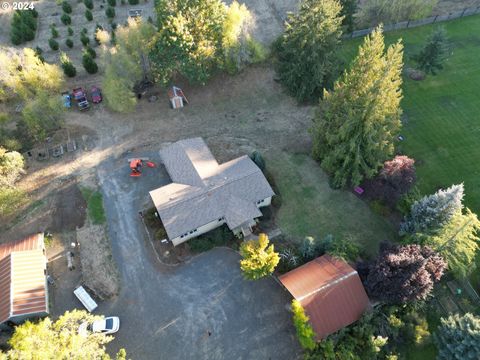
202, 309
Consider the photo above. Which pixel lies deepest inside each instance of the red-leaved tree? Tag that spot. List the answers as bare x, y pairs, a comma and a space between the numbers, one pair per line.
395, 179
404, 273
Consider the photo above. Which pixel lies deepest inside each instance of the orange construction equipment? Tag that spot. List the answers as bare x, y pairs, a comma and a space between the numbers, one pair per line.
137, 164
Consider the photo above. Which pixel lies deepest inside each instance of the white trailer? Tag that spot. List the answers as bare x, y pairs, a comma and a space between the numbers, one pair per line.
85, 298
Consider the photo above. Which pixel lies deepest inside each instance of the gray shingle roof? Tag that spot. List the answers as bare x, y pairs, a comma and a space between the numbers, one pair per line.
203, 191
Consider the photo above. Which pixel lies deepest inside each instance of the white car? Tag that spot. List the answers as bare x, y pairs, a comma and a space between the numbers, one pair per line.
108, 325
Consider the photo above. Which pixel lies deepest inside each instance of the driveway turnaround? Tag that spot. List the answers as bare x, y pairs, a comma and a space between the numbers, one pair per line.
202, 309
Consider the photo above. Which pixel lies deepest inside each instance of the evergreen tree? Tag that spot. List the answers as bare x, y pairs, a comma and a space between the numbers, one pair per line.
430, 59
88, 63
307, 61
67, 66
259, 258
432, 212
458, 242
356, 123
458, 337
349, 7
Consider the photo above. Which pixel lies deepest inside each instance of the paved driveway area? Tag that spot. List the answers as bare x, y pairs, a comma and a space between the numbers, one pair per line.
199, 310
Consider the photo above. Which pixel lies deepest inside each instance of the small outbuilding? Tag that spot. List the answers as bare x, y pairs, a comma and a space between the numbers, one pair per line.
23, 280
330, 291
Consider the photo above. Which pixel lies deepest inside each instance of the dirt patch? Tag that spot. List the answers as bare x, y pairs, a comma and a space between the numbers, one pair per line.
414, 74
99, 271
69, 210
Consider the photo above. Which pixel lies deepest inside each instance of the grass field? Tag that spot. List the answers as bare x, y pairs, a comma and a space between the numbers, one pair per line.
442, 112
94, 201
311, 208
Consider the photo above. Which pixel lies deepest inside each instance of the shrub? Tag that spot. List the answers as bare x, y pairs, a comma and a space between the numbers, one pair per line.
69, 43
70, 31
66, 20
84, 31
54, 31
112, 2
98, 28
344, 248
66, 7
305, 333
110, 12
133, 2
88, 15
88, 4
53, 44
259, 258
89, 64
39, 52
84, 39
91, 52
160, 234
67, 66
257, 158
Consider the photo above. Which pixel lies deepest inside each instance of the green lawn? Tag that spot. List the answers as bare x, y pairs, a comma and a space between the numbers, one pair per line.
94, 201
311, 208
442, 132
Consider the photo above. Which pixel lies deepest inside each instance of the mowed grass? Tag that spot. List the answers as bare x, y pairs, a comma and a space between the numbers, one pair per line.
442, 112
311, 208
94, 200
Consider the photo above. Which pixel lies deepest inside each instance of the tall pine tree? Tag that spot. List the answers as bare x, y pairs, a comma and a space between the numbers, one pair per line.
356, 123
307, 61
349, 7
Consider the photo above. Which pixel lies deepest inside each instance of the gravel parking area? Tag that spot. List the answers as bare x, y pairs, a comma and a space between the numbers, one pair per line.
203, 309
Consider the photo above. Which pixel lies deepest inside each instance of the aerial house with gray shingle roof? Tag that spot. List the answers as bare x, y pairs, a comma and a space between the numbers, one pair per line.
204, 195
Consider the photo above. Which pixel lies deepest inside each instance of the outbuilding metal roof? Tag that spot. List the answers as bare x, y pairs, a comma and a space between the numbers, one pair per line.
330, 291
204, 191
23, 288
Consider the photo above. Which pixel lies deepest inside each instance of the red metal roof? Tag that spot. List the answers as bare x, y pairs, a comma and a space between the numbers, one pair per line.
32, 242
23, 288
330, 291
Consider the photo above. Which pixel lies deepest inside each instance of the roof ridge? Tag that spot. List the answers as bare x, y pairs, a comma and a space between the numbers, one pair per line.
207, 189
329, 284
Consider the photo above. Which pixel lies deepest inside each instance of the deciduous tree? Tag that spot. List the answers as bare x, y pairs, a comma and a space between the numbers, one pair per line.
458, 337
404, 273
356, 123
58, 340
259, 258
24, 74
306, 52
11, 167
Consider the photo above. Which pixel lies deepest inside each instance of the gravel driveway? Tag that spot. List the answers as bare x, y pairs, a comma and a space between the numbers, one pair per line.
199, 310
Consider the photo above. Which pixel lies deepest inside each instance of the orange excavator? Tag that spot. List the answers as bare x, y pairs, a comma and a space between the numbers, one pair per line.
137, 164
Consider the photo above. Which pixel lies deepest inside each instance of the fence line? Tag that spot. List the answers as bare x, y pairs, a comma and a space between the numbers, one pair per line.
414, 23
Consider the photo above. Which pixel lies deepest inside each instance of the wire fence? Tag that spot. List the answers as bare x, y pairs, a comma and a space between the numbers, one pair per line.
414, 23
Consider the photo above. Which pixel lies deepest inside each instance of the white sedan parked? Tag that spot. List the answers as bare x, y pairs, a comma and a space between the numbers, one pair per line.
108, 325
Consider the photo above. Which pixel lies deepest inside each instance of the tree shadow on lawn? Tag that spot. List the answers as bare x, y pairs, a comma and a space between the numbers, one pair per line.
311, 208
